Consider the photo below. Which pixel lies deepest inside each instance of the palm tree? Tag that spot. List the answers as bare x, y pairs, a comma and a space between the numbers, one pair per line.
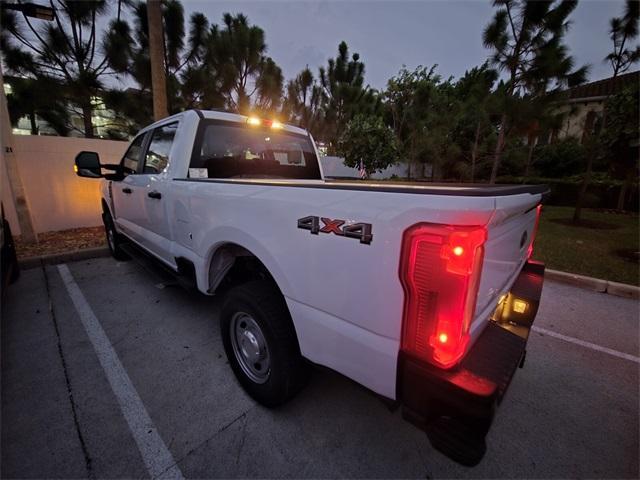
526, 37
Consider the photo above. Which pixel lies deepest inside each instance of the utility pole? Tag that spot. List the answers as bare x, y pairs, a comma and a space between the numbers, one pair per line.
156, 56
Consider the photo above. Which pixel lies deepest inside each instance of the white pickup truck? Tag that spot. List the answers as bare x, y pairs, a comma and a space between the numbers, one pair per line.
423, 293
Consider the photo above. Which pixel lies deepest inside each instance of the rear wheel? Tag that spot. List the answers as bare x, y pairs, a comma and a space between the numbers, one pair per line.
260, 343
114, 239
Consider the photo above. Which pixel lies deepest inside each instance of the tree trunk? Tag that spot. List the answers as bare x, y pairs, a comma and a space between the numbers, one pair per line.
532, 147
584, 185
623, 192
34, 124
87, 111
156, 57
474, 152
497, 154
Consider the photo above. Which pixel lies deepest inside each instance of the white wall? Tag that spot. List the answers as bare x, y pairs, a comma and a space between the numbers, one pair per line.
58, 198
334, 167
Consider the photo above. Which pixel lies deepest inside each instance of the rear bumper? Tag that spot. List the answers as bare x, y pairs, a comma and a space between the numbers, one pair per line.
456, 407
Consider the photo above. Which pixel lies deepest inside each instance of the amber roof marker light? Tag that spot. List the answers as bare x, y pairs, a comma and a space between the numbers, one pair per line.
256, 121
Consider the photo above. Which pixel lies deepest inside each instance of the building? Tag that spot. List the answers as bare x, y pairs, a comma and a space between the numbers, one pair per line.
582, 109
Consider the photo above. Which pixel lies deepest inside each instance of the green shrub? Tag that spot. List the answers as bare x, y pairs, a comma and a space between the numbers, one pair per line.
561, 159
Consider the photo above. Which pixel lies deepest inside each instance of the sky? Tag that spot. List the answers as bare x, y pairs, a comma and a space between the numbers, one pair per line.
390, 34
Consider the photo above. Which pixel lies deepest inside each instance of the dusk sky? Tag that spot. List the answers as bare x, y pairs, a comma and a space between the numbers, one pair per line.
388, 34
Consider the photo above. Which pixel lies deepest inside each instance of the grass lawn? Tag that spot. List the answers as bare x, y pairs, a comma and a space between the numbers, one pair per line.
597, 251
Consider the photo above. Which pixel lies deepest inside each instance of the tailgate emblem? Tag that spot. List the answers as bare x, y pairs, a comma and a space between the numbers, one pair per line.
360, 231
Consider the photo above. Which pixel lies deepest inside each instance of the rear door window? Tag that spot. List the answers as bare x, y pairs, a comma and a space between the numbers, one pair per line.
157, 157
132, 156
235, 150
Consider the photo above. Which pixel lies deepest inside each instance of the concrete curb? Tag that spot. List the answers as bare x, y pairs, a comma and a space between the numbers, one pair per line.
55, 258
594, 284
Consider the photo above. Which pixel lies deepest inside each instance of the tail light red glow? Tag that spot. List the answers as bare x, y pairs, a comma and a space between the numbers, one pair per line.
535, 231
440, 271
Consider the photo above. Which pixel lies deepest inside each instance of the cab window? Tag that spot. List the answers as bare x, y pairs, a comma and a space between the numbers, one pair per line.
132, 156
157, 158
235, 150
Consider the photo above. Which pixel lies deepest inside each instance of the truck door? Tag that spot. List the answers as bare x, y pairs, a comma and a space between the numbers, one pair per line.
155, 225
127, 200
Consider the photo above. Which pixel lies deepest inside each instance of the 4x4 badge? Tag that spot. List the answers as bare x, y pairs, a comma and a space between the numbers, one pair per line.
361, 231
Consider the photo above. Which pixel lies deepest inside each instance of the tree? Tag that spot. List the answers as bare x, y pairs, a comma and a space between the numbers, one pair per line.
303, 101
623, 31
426, 114
475, 92
32, 98
620, 138
157, 59
407, 99
127, 51
368, 143
526, 37
563, 158
342, 83
248, 77
66, 51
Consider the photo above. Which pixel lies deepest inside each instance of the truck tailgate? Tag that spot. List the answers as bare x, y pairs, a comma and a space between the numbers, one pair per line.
510, 232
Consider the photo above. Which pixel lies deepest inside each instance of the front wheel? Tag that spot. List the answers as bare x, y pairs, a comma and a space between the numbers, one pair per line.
261, 344
114, 239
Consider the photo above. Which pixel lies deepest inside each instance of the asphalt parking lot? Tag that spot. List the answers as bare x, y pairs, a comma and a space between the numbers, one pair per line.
571, 412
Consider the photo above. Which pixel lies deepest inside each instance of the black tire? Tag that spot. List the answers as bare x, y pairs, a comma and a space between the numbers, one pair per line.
287, 372
114, 239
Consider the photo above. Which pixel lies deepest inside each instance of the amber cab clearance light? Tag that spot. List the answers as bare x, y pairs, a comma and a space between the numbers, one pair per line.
255, 121
440, 271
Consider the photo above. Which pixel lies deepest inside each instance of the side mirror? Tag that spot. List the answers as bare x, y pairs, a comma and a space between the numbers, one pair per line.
88, 165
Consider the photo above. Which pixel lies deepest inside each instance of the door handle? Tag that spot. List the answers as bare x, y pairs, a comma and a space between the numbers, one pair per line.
126, 190
154, 194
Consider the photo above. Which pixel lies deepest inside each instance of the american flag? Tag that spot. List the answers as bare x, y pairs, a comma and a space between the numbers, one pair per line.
362, 171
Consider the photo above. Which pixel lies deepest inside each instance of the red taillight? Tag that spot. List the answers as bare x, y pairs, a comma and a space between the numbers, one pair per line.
440, 272
535, 231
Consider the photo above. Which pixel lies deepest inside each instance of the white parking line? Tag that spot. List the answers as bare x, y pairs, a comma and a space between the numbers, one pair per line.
589, 345
156, 455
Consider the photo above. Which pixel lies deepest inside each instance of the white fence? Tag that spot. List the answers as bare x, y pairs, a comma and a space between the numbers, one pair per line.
334, 167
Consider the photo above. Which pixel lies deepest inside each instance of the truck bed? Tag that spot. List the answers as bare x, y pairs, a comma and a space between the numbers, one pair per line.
419, 188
